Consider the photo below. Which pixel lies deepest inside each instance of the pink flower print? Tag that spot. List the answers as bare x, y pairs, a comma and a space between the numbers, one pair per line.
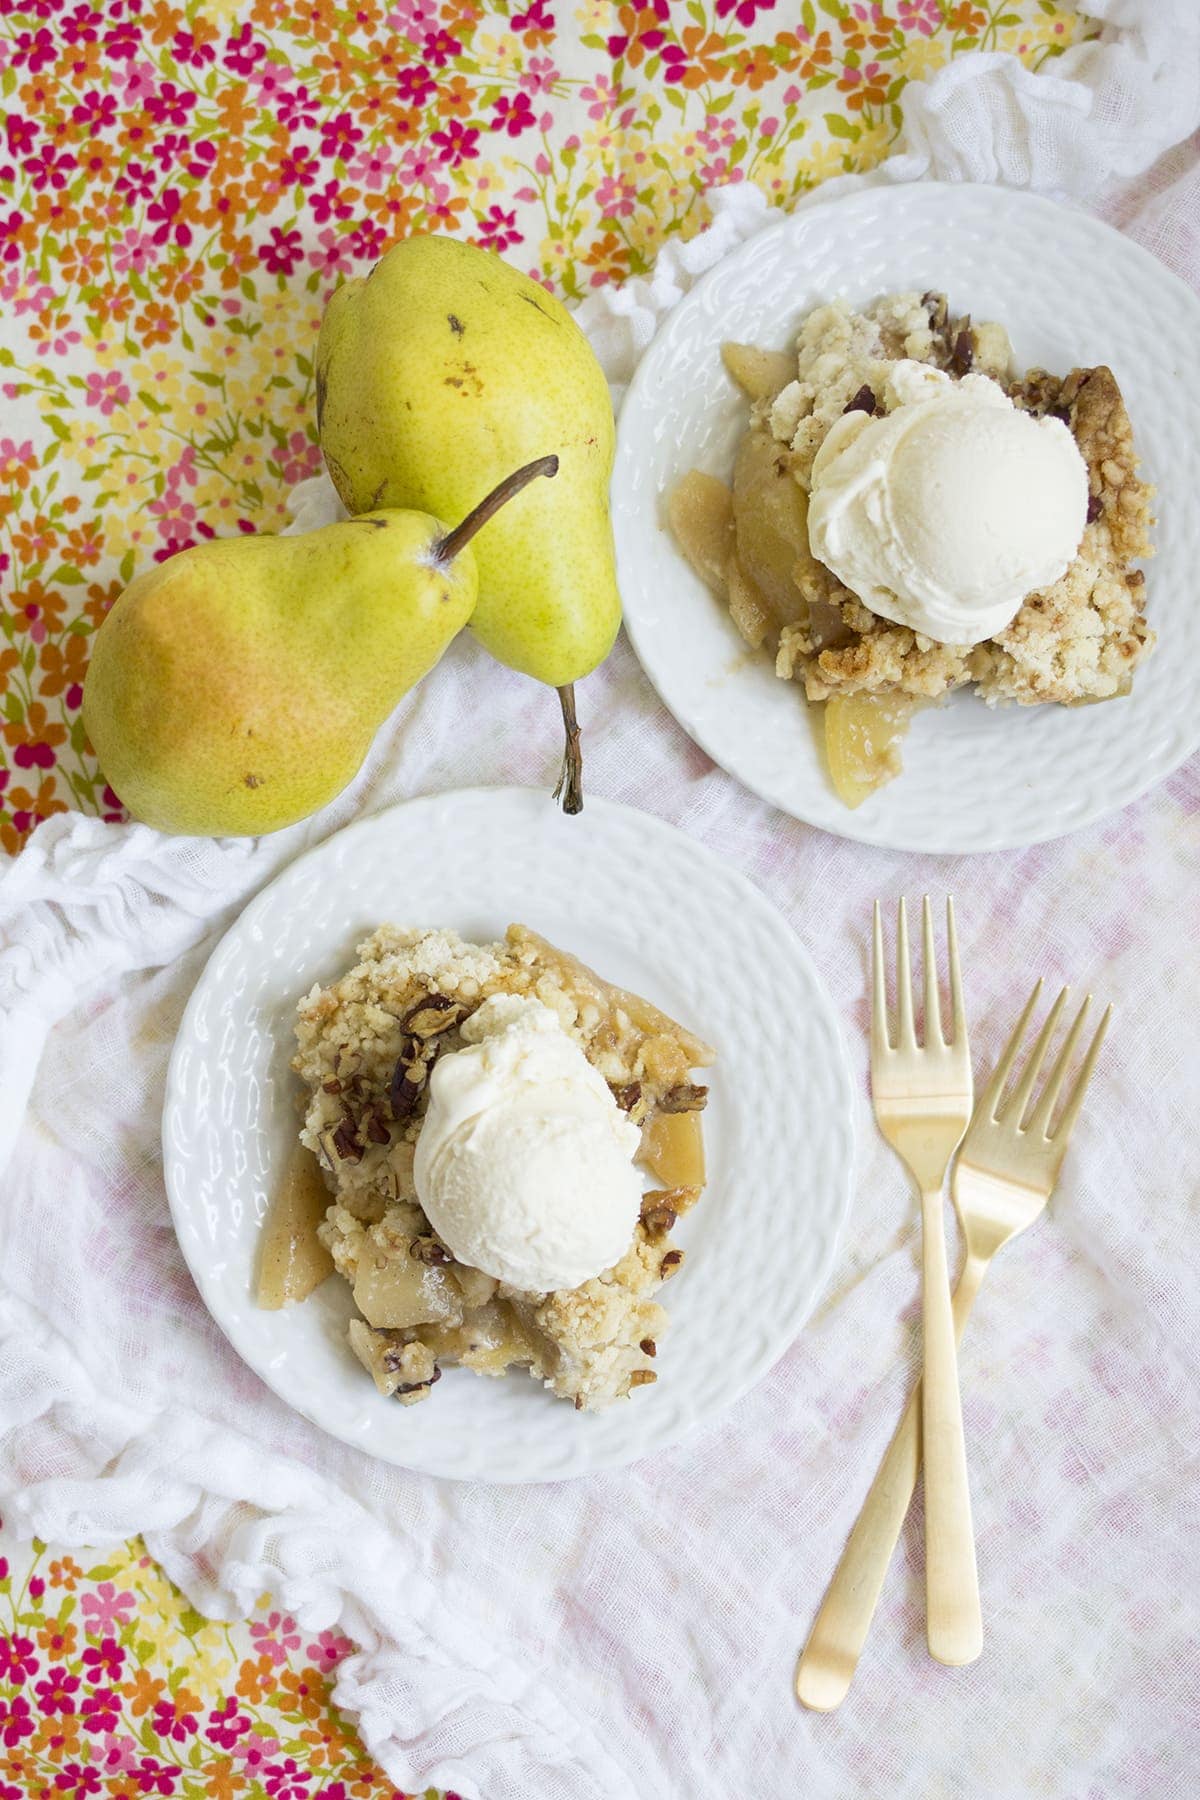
456, 143
97, 110
601, 97
76, 1779
333, 256
104, 1661
243, 51
255, 1752
55, 1693
79, 25
498, 229
172, 547
276, 1637
329, 1650
163, 214
416, 166
437, 201
536, 17
367, 239
438, 47
226, 1724
122, 43
20, 133
615, 198
108, 390
371, 168
768, 127
408, 17
189, 53
136, 182
16, 1717
17, 1660
33, 50
50, 168
37, 1587
919, 15
9, 227
282, 253
297, 109
169, 1723
152, 1777
59, 345
512, 113
101, 1711
327, 203
299, 167
130, 251
203, 156
415, 84
107, 1610
540, 76
743, 10
167, 151
170, 105
339, 136
139, 81
286, 1781
118, 1754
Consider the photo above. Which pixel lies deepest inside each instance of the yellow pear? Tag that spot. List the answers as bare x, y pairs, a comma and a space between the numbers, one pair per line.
438, 371
236, 688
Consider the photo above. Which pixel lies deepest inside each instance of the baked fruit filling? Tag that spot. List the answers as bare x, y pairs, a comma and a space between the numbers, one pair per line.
1074, 640
367, 1046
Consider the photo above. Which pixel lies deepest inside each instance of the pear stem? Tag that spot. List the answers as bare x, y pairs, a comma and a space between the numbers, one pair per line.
570, 780
477, 518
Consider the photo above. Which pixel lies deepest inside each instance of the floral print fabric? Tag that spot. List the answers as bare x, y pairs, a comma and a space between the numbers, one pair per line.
182, 185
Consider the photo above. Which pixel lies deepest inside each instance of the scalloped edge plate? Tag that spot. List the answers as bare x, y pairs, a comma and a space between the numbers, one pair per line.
1071, 291
651, 909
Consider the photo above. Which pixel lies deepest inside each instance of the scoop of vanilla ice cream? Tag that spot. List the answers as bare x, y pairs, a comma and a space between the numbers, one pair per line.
944, 512
524, 1165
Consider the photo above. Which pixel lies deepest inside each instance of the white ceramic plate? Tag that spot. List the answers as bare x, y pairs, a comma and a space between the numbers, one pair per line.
1071, 291
651, 910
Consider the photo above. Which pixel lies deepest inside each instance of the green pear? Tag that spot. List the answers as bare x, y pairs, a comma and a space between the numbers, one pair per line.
236, 688
441, 369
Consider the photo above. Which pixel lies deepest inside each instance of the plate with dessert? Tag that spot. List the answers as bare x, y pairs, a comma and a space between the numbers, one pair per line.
911, 455
475, 1090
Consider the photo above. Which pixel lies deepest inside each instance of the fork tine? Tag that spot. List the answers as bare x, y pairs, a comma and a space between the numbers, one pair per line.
933, 1015
989, 1100
1014, 1108
1075, 1098
879, 1017
906, 1037
1043, 1112
956, 995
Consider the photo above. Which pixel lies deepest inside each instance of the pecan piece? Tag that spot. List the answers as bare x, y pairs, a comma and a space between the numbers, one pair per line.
332, 1086
648, 1347
670, 1262
374, 1127
1094, 508
344, 1144
686, 1097
863, 401
435, 1013
427, 1250
642, 1378
962, 356
628, 1097
658, 1220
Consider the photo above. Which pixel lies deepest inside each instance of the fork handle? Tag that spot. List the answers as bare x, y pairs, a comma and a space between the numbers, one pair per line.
953, 1622
840, 1628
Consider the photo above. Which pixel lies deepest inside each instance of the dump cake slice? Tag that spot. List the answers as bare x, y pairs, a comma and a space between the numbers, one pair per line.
1072, 639
369, 1045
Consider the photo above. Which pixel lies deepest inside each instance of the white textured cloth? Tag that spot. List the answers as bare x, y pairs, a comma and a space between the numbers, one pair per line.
632, 1637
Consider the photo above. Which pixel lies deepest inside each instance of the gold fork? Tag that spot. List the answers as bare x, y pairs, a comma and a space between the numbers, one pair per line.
922, 1097
1006, 1171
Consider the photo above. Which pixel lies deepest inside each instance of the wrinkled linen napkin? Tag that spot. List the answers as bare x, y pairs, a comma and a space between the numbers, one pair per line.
632, 1636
